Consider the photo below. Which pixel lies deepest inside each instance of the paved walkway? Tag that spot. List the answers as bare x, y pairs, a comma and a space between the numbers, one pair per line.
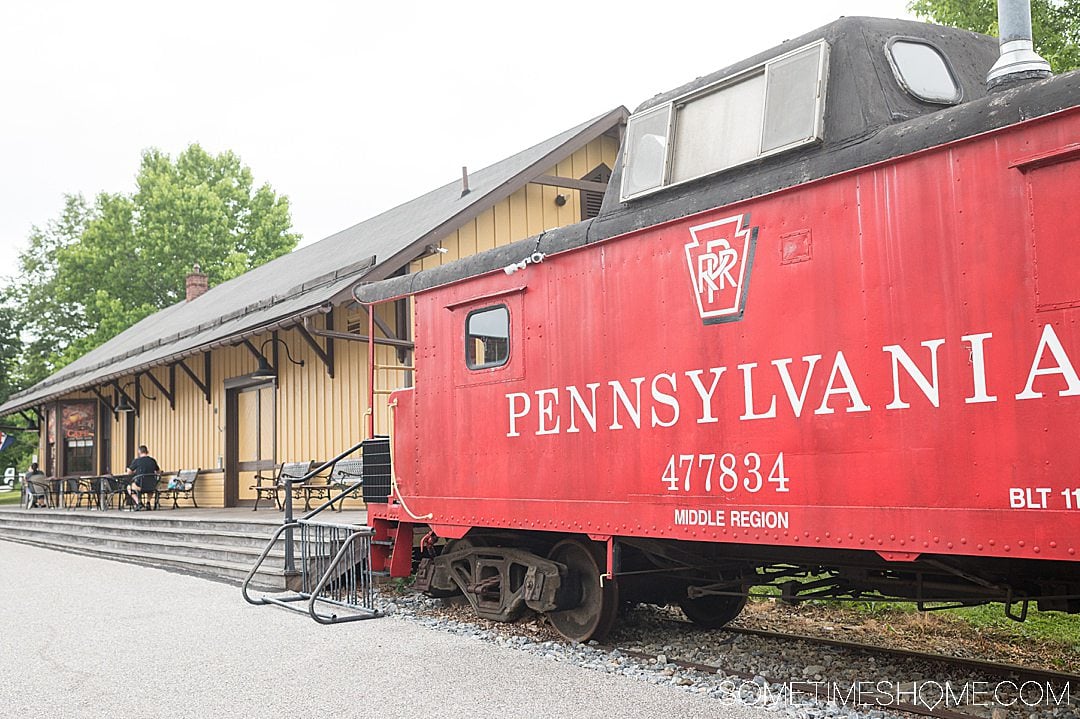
75, 627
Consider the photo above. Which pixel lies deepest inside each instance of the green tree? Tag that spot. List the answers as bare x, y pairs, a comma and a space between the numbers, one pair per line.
1055, 24
97, 269
19, 453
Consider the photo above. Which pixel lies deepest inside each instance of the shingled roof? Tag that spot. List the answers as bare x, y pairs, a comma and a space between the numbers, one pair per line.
311, 277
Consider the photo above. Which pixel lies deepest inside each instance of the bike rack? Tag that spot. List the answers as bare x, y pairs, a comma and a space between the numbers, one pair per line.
341, 581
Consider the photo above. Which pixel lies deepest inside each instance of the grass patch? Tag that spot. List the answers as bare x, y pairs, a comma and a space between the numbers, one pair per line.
1045, 639
12, 497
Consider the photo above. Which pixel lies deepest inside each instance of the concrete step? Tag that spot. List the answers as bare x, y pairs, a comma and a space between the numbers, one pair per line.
158, 519
223, 549
266, 579
255, 537
146, 544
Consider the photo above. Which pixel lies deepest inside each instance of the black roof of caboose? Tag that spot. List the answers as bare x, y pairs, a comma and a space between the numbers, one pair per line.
868, 117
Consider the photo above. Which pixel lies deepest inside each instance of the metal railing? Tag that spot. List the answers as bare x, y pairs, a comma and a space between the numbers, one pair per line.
335, 559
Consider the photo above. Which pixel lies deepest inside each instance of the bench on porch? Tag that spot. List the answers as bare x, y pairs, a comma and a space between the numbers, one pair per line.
272, 486
346, 473
182, 486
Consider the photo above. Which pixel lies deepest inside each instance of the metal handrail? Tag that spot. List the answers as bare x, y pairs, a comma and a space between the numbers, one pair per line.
290, 555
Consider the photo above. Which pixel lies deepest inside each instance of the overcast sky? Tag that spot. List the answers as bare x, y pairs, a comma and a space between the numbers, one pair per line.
345, 107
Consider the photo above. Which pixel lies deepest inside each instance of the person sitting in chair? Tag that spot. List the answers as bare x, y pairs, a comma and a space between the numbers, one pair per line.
143, 468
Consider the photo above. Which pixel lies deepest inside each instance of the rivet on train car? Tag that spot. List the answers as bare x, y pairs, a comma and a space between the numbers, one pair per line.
1020, 543
850, 535
892, 537
1036, 549
880, 542
911, 538
901, 542
828, 534
991, 542
949, 545
796, 537
963, 540
1006, 548
862, 541
1072, 550
937, 540
817, 539
1053, 545
871, 537
979, 547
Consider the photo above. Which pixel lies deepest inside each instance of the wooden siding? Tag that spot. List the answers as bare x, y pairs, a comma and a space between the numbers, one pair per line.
317, 416
527, 212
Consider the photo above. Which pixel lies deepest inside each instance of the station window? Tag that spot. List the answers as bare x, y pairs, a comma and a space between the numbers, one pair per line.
487, 337
923, 71
767, 109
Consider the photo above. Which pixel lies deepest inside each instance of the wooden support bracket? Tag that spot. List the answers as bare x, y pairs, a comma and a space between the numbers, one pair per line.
200, 383
325, 355
104, 401
169, 395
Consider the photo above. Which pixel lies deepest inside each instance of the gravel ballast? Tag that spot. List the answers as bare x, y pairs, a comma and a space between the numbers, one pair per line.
786, 677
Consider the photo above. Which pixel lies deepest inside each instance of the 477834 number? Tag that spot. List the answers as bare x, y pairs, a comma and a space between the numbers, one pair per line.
726, 472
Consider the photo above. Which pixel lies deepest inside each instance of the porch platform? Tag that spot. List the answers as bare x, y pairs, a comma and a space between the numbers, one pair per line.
216, 543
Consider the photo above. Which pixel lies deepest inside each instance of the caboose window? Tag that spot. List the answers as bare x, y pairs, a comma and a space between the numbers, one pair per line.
646, 147
767, 109
487, 337
923, 71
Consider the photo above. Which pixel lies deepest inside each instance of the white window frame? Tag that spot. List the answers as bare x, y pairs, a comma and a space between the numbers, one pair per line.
672, 106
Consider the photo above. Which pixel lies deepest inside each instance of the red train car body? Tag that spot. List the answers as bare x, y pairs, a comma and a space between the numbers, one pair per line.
870, 376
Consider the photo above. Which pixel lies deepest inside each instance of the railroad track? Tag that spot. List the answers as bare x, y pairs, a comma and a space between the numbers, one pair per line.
1012, 672
1008, 671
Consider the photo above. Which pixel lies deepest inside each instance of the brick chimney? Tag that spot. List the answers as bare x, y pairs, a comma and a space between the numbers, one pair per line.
197, 283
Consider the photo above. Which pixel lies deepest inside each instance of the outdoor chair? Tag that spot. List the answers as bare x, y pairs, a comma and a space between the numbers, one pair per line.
148, 485
272, 486
110, 488
182, 486
90, 489
38, 494
69, 492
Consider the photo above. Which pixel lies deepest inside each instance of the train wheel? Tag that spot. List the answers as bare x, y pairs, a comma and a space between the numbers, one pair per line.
596, 608
713, 610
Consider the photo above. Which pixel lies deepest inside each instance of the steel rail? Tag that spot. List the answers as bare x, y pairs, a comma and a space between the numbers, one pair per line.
907, 708
997, 668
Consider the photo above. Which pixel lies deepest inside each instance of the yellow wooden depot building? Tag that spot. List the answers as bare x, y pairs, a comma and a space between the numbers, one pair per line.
187, 370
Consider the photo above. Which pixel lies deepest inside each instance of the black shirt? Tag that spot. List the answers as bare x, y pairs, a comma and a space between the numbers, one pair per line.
144, 465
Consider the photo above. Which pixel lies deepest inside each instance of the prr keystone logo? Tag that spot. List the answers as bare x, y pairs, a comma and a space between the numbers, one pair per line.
720, 258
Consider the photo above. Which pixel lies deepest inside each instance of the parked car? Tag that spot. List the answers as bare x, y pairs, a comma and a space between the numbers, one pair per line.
9, 478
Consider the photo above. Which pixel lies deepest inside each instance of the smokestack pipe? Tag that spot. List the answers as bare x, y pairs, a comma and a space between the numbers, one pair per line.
1018, 61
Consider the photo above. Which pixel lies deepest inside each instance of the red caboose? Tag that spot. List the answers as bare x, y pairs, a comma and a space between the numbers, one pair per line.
826, 323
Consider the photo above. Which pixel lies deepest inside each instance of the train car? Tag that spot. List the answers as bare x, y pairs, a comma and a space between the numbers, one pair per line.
824, 335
